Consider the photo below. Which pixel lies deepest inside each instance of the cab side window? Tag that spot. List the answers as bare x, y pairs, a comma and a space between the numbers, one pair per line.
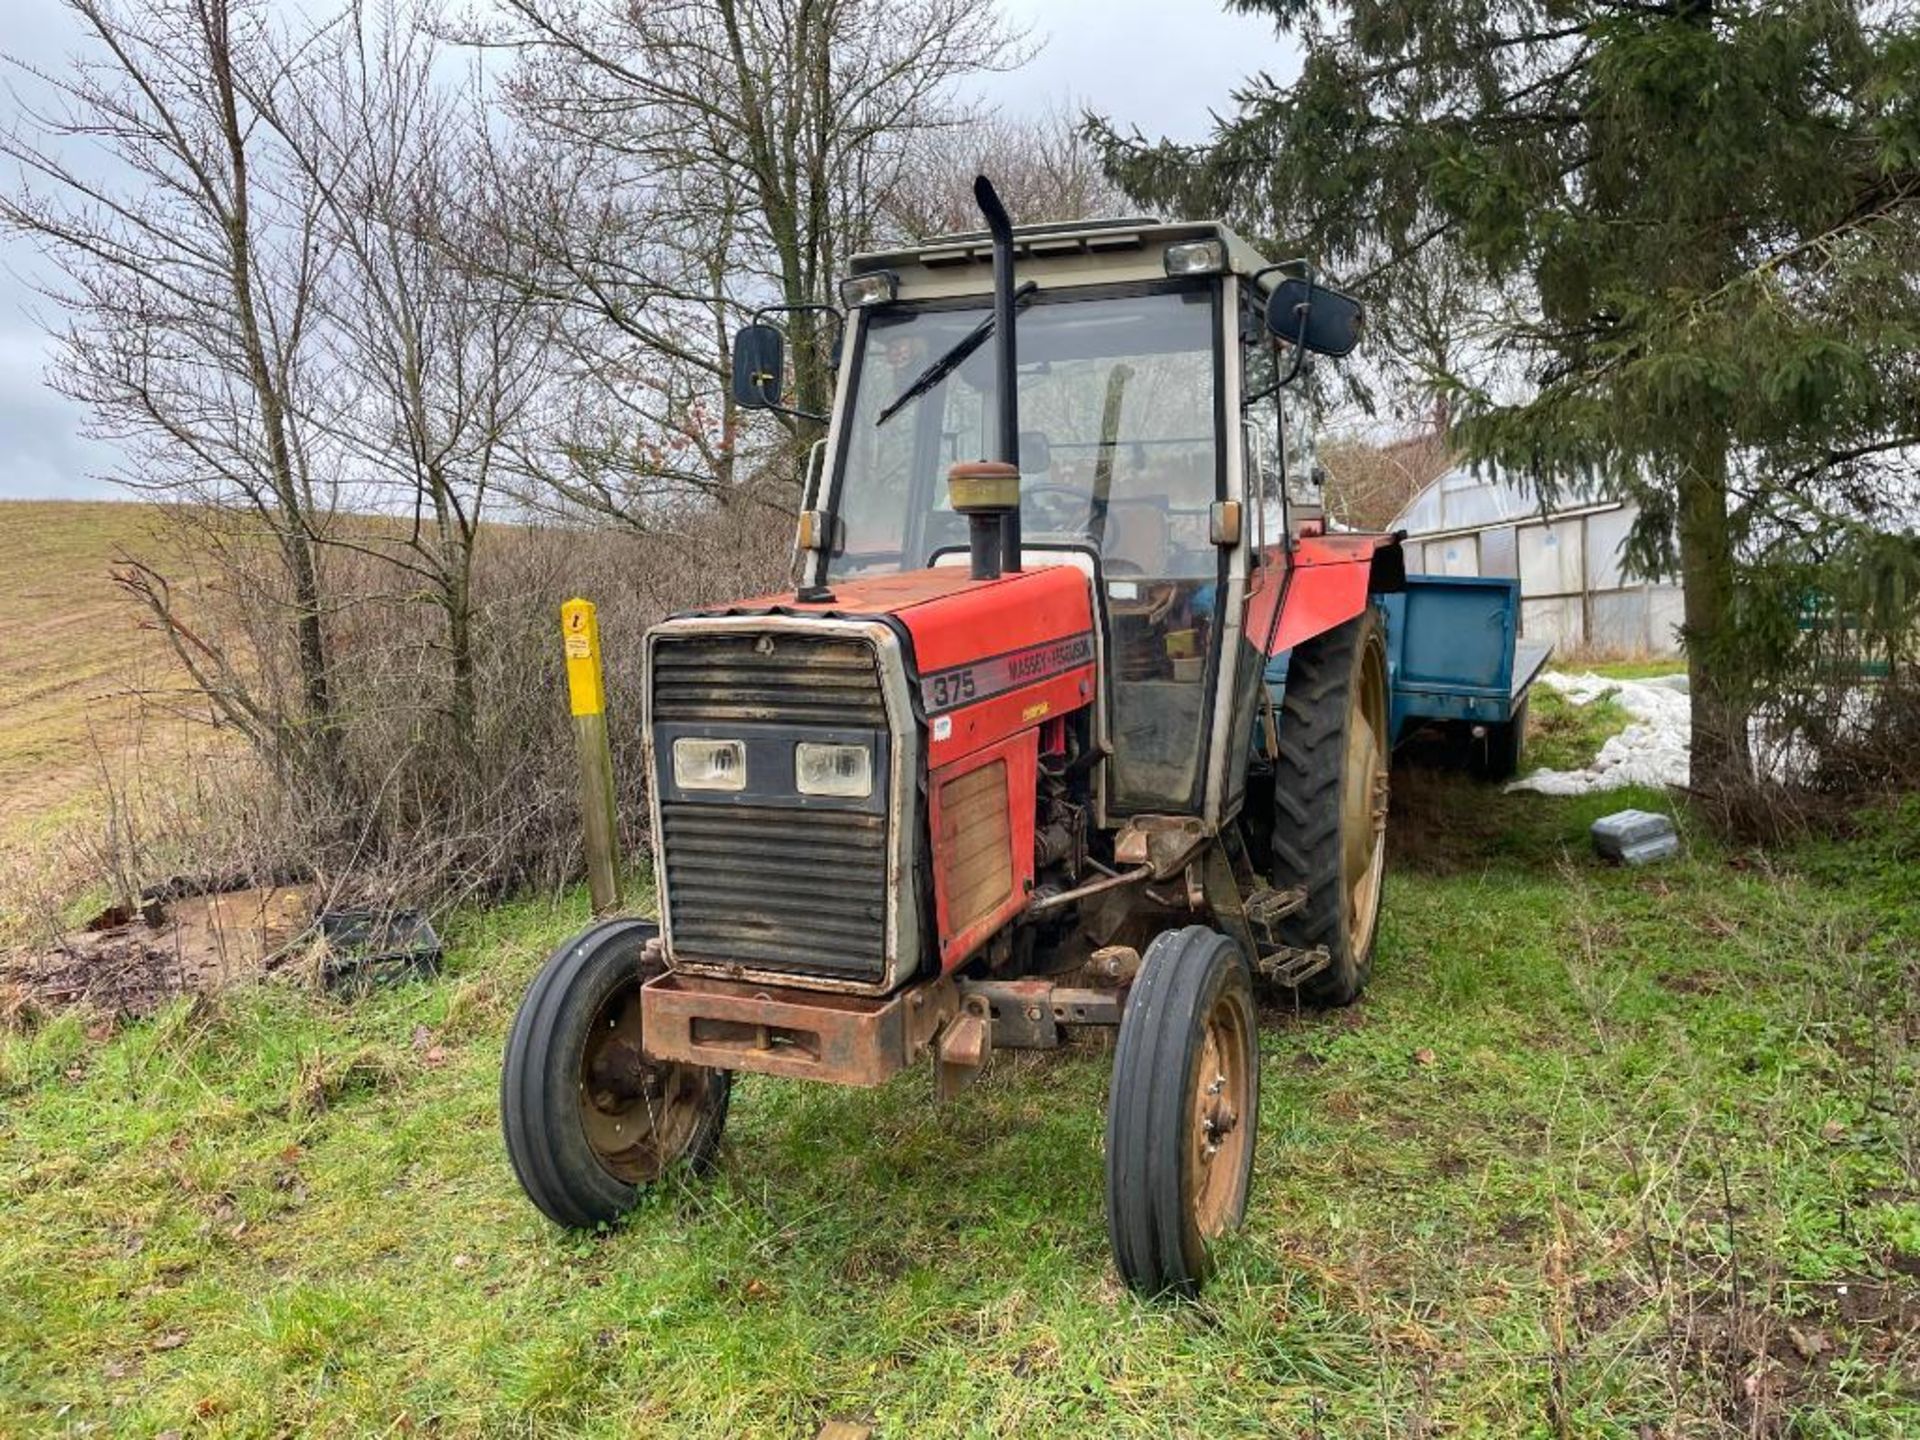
1262, 431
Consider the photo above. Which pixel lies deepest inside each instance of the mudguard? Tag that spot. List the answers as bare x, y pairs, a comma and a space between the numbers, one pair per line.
1326, 581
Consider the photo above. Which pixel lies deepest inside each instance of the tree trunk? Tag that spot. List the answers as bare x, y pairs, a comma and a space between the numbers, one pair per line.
292, 520
466, 705
322, 736
454, 541
1721, 756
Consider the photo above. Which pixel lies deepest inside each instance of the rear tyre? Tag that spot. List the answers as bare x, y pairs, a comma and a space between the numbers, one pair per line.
589, 1120
1330, 802
1504, 751
1184, 1111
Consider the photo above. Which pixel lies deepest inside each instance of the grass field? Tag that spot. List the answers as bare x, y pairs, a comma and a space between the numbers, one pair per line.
1626, 669
71, 651
1602, 1153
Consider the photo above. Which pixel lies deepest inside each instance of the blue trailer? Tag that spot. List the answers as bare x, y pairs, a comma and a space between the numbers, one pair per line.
1456, 664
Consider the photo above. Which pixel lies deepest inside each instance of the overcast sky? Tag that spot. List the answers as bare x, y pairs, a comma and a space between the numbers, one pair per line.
1163, 65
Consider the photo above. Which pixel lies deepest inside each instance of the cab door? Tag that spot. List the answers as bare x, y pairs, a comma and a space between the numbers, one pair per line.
1257, 566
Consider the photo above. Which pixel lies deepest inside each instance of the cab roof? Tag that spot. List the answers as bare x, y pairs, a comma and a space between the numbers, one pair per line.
1067, 252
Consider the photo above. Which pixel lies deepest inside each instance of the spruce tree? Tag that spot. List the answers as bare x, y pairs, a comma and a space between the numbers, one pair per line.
1703, 219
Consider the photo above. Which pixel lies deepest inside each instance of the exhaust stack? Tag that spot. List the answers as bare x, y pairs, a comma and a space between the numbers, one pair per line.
1006, 374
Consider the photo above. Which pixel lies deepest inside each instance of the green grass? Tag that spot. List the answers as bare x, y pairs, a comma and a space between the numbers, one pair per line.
1602, 1153
1564, 736
1648, 669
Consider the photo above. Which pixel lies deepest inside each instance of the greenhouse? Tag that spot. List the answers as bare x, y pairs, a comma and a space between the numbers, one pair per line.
1573, 589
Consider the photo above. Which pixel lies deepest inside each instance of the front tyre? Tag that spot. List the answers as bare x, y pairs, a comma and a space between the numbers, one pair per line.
589, 1120
1183, 1112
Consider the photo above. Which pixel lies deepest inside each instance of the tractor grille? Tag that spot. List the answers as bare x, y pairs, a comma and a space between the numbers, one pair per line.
777, 889
790, 679
798, 888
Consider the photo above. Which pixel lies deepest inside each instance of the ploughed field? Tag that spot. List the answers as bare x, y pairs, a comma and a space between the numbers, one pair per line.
72, 654
1603, 1152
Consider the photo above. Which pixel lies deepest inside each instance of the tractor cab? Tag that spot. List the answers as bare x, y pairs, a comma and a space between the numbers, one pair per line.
1153, 449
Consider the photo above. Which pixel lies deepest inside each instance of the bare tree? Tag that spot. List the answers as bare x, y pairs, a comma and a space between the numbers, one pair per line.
718, 155
1372, 477
438, 363
642, 427
189, 296
351, 314
1043, 166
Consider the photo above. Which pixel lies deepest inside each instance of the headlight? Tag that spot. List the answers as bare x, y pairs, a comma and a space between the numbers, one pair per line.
1196, 257
710, 764
843, 770
875, 288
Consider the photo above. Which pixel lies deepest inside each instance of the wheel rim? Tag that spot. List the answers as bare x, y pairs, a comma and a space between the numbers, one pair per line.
1363, 802
638, 1115
1220, 1124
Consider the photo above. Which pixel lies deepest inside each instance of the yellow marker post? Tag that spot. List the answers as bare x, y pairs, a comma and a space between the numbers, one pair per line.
587, 697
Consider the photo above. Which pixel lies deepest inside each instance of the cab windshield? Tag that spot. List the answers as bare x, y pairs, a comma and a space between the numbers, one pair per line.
1119, 449
1117, 433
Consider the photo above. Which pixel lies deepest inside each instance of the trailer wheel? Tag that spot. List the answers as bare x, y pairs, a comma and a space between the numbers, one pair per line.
1330, 802
1504, 751
1184, 1110
589, 1121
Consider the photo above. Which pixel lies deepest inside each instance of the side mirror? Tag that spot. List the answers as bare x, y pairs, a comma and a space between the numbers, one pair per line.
759, 361
1314, 317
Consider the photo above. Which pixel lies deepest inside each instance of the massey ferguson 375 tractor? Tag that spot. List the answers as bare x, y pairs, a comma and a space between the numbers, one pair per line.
1005, 764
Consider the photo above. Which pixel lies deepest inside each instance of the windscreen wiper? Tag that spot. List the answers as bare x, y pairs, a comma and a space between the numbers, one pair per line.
951, 361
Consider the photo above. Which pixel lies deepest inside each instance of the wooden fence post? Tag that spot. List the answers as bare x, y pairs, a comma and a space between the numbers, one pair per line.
587, 695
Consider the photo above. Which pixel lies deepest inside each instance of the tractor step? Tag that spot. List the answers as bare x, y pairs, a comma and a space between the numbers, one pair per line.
1289, 966
1282, 964
1266, 907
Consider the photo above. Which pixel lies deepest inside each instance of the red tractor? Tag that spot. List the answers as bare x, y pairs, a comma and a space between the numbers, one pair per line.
1006, 764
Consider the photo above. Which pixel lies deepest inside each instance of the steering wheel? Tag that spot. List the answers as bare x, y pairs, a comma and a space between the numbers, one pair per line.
1059, 490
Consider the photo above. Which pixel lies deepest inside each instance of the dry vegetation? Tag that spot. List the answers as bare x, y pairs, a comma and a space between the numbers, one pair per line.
118, 775
1369, 482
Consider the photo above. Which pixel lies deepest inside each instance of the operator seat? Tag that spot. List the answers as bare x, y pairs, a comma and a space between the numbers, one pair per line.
1137, 539
1036, 454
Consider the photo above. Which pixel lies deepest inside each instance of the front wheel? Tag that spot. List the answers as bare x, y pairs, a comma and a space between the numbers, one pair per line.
1184, 1110
589, 1120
